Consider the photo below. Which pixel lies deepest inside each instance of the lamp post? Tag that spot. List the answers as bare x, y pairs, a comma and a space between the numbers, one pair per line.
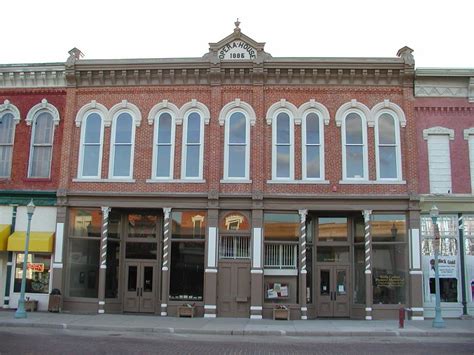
20, 311
438, 321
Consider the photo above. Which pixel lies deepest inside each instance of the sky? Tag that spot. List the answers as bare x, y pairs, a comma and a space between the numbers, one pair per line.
441, 33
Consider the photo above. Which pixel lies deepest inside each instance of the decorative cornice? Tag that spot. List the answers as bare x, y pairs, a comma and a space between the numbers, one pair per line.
44, 105
32, 76
194, 105
164, 105
445, 109
93, 106
312, 105
354, 104
237, 104
285, 105
125, 105
438, 131
8, 107
387, 105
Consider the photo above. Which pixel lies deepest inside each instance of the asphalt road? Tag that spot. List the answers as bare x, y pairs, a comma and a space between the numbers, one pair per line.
51, 341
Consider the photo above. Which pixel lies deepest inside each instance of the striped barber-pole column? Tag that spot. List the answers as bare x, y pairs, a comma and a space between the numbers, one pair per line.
103, 257
368, 265
165, 262
304, 309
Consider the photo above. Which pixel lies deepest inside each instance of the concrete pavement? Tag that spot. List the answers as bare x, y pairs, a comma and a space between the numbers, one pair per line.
236, 326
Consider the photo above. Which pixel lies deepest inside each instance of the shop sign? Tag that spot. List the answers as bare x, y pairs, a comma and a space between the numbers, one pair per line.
391, 281
446, 265
35, 267
237, 50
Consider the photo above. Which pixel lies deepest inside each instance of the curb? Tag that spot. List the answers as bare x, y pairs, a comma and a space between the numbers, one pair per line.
241, 332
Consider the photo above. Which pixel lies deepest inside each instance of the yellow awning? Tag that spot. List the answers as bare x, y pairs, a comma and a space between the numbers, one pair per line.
4, 233
40, 242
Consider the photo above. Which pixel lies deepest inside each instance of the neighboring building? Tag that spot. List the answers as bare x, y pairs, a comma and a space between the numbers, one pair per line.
444, 111
32, 103
237, 182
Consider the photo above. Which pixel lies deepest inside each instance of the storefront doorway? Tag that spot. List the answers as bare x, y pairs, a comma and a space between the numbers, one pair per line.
140, 286
333, 297
233, 289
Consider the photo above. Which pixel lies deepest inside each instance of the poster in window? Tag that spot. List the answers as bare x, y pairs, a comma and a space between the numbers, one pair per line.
446, 265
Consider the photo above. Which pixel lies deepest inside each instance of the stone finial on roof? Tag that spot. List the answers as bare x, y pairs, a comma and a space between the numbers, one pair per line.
74, 54
406, 54
237, 24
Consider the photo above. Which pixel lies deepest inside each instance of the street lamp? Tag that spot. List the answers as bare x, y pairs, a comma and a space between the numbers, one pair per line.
438, 321
20, 311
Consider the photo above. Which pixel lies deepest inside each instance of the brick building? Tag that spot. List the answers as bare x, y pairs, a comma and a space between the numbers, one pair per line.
444, 112
235, 183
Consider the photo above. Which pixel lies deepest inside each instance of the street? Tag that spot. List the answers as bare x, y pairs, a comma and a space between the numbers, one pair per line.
54, 341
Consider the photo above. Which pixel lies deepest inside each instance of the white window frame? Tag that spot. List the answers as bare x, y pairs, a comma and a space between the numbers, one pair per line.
469, 136
291, 145
247, 146
365, 159
35, 111
81, 151
185, 145
156, 144
396, 122
112, 145
304, 146
8, 108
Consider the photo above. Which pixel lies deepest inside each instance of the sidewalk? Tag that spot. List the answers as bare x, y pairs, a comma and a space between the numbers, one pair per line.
235, 326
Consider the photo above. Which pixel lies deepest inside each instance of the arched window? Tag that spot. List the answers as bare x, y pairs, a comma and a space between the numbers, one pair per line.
283, 146
193, 133
388, 147
163, 150
236, 150
90, 160
7, 135
354, 144
313, 146
122, 144
41, 145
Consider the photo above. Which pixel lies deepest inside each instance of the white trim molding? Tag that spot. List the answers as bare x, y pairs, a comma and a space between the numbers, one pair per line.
8, 107
228, 144
354, 104
93, 106
468, 132
125, 105
438, 131
387, 105
158, 111
237, 104
313, 105
193, 105
164, 105
283, 104
44, 105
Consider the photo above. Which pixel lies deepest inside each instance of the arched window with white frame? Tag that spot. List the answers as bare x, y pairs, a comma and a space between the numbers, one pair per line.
283, 146
9, 118
193, 137
90, 156
163, 147
43, 117
122, 145
237, 146
313, 146
387, 143
354, 146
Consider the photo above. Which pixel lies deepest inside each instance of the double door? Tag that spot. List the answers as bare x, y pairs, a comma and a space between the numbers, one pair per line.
333, 295
140, 286
233, 289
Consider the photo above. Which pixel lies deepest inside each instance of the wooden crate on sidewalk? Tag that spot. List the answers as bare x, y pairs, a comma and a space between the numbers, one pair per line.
186, 311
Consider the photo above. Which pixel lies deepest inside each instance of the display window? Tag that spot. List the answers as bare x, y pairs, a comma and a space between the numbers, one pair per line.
468, 223
37, 273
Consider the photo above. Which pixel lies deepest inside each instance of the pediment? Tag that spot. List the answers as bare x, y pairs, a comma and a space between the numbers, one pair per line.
237, 47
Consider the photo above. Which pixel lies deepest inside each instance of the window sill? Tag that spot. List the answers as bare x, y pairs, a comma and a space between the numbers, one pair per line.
299, 182
372, 182
235, 181
280, 272
177, 181
104, 180
33, 179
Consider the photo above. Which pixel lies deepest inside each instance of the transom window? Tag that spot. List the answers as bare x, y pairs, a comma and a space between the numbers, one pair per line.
123, 131
164, 146
7, 134
237, 147
41, 145
388, 147
354, 147
192, 150
283, 149
91, 150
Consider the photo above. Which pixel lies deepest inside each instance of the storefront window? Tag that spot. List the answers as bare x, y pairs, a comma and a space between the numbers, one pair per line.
142, 226
37, 273
448, 260
389, 258
187, 256
309, 259
469, 254
332, 229
84, 252
359, 274
281, 240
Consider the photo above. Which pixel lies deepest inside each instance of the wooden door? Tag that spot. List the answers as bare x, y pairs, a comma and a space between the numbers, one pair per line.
140, 287
233, 289
334, 286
